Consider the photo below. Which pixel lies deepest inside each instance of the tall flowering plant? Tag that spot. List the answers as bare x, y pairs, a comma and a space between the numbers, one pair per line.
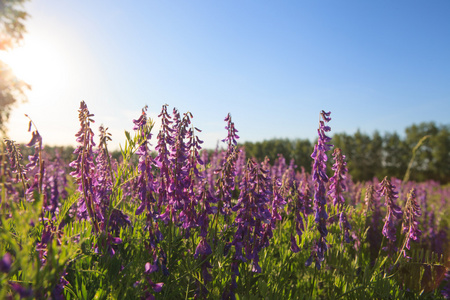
373, 220
145, 181
146, 189
411, 222
36, 163
337, 182
162, 159
227, 173
393, 212
18, 172
320, 178
84, 167
186, 161
337, 188
253, 221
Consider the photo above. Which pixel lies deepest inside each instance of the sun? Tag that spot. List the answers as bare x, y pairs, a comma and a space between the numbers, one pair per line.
38, 62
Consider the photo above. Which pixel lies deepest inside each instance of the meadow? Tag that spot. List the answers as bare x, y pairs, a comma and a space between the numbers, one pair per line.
170, 220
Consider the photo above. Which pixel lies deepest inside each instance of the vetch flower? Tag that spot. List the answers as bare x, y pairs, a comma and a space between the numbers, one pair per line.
319, 174
411, 224
227, 173
22, 291
5, 263
345, 226
55, 182
253, 215
84, 166
294, 246
374, 216
102, 181
145, 181
393, 211
203, 248
15, 164
337, 182
162, 159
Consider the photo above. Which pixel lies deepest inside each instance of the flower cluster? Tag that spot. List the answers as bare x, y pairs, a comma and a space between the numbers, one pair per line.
85, 167
228, 172
145, 181
411, 223
393, 211
337, 182
320, 179
374, 216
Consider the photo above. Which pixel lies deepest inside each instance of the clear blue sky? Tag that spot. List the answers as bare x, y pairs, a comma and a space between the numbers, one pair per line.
376, 65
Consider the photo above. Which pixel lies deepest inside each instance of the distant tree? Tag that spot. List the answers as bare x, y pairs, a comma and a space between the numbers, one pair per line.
441, 154
373, 156
302, 154
12, 29
432, 159
396, 155
363, 153
298, 150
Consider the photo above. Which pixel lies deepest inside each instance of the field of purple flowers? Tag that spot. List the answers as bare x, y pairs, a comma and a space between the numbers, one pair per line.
173, 221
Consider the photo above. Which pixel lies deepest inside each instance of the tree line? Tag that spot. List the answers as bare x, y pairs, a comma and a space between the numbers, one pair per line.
374, 155
367, 156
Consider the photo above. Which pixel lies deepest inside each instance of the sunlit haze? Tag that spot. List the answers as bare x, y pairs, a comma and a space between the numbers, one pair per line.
376, 65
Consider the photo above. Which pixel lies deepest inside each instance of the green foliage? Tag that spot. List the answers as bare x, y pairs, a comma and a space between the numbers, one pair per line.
19, 236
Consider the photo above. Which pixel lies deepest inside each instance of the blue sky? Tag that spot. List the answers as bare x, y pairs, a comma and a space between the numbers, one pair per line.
376, 65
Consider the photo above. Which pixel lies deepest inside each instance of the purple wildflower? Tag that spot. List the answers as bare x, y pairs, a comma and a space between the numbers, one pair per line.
5, 263
156, 287
336, 189
445, 292
22, 291
227, 173
252, 214
102, 181
278, 203
317, 254
393, 211
145, 181
300, 202
15, 163
9, 187
162, 159
411, 224
253, 221
232, 137
294, 246
374, 236
178, 158
84, 166
180, 205
337, 182
55, 182
345, 226
194, 180
35, 167
58, 291
203, 250
320, 179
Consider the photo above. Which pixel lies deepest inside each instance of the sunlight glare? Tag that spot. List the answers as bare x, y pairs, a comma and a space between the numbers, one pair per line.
38, 62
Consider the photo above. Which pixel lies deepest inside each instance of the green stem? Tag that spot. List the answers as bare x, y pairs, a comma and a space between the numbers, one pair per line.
313, 283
